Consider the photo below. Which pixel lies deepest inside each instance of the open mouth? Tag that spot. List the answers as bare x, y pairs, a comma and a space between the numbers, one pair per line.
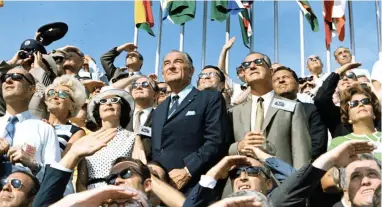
244, 187
109, 109
368, 191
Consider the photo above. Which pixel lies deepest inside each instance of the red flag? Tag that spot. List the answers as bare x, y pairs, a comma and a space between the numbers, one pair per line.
334, 18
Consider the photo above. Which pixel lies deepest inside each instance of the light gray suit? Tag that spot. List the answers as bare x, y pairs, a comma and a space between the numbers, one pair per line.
287, 131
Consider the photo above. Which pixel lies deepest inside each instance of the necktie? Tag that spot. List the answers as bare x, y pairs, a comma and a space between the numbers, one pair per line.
175, 104
10, 129
259, 115
137, 121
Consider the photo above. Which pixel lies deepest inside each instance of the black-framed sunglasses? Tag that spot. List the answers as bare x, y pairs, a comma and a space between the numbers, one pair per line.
355, 103
250, 170
60, 94
164, 91
206, 75
313, 58
15, 77
349, 75
124, 174
259, 61
303, 80
144, 84
113, 100
15, 183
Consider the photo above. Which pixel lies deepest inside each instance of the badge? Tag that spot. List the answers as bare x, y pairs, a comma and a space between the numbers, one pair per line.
29, 149
283, 104
144, 130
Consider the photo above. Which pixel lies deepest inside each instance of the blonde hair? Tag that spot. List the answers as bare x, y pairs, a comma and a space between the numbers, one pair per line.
77, 91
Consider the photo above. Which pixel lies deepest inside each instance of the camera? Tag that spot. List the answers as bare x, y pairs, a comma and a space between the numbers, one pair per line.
26, 54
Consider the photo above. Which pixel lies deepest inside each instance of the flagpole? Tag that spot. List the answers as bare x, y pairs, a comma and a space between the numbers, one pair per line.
159, 41
136, 32
328, 60
252, 26
351, 26
276, 29
181, 39
302, 52
378, 16
204, 37
227, 37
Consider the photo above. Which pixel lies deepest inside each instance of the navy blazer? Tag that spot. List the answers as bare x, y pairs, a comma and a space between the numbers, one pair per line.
197, 135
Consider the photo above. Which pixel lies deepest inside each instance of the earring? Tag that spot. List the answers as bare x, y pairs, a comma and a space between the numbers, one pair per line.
350, 122
374, 117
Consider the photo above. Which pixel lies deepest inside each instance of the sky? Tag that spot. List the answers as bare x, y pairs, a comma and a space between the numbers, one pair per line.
98, 26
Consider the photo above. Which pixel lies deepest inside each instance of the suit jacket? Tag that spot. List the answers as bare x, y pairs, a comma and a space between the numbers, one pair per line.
317, 130
287, 131
199, 197
196, 136
52, 187
107, 61
338, 204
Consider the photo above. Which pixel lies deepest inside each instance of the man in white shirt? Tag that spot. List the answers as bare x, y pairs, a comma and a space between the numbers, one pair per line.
315, 67
25, 140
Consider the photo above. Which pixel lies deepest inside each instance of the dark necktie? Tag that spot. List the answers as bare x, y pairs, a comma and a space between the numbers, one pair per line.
175, 104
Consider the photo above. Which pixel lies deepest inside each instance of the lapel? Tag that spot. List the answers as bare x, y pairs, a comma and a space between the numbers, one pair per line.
129, 126
246, 111
270, 113
161, 114
189, 98
149, 119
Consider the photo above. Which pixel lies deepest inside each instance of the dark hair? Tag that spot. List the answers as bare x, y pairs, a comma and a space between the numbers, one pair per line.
141, 168
36, 183
287, 69
220, 73
377, 197
166, 176
153, 84
124, 117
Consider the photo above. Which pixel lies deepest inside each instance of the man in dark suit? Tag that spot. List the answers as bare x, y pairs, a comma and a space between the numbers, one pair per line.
190, 130
285, 84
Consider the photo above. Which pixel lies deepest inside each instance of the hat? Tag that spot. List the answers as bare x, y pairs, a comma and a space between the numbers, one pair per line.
51, 32
50, 63
31, 44
136, 52
109, 91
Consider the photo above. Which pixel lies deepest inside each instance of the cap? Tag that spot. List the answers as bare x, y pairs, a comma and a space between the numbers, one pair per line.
31, 44
52, 32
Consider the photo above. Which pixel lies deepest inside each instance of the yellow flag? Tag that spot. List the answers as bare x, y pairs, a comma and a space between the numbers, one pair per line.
1, 3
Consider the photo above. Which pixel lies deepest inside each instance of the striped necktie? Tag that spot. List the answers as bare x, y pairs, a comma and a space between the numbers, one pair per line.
175, 104
10, 129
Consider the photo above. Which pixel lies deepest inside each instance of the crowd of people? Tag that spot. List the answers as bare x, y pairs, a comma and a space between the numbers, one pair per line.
74, 133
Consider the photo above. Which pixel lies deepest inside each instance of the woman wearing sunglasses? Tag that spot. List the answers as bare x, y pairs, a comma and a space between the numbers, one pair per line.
111, 108
360, 109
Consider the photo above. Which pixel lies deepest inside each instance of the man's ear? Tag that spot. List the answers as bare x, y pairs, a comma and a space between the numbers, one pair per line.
269, 184
147, 185
32, 88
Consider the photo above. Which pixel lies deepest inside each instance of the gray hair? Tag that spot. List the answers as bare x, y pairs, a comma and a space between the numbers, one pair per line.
252, 193
340, 48
186, 56
77, 90
266, 58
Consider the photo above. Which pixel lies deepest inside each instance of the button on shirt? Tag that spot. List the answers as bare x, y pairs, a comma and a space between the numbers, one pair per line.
144, 116
36, 133
267, 101
182, 95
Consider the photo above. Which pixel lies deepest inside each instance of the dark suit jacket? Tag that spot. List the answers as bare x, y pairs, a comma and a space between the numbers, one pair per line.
52, 187
338, 204
197, 140
107, 61
317, 130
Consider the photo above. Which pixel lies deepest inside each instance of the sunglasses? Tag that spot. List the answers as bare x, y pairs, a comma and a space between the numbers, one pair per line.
113, 100
355, 103
15, 77
303, 80
124, 174
15, 183
349, 76
259, 61
164, 90
60, 94
313, 58
206, 75
144, 84
250, 170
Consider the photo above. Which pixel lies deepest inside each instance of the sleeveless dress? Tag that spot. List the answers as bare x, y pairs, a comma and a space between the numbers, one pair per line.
100, 163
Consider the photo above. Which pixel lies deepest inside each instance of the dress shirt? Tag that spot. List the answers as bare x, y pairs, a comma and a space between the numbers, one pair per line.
182, 95
207, 182
236, 88
267, 101
34, 132
144, 115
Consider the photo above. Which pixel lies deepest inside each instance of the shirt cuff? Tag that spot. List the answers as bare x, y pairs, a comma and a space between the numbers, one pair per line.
60, 167
207, 182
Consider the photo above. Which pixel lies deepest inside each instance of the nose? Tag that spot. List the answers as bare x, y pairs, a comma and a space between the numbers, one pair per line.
118, 181
9, 80
366, 181
243, 176
7, 187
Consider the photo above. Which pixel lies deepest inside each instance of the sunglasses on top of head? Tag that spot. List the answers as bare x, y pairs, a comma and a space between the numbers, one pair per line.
124, 174
355, 103
60, 94
144, 84
259, 61
15, 77
15, 183
113, 100
348, 76
250, 170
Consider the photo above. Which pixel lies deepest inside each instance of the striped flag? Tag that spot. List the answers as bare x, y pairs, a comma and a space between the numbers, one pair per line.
334, 18
143, 17
245, 25
309, 14
164, 6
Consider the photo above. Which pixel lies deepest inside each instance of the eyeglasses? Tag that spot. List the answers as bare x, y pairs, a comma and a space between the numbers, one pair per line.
144, 84
210, 74
60, 94
164, 91
15, 77
259, 61
313, 58
124, 174
113, 100
303, 80
349, 76
15, 183
355, 103
250, 170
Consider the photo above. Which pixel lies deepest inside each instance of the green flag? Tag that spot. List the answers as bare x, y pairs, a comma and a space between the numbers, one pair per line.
219, 10
181, 11
245, 25
309, 15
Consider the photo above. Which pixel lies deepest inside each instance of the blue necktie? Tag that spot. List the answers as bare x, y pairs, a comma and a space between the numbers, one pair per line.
175, 104
10, 129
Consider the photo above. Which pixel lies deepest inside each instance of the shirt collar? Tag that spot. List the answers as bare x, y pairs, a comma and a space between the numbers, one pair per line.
266, 96
182, 94
20, 116
145, 111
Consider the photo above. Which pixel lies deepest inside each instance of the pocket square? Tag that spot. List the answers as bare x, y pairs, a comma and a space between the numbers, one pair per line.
190, 113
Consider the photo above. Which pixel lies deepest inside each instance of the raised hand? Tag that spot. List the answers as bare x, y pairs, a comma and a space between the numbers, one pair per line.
220, 170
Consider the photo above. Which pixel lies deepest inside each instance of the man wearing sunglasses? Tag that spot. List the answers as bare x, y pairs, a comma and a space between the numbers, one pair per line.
26, 141
266, 118
211, 78
164, 92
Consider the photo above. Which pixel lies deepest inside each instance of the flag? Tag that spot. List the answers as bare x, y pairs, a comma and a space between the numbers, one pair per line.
245, 25
1, 3
334, 18
309, 14
179, 11
220, 9
144, 18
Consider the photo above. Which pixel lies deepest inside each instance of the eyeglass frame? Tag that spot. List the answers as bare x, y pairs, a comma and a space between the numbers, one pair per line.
209, 74
57, 93
109, 100
118, 175
3, 78
2, 183
244, 168
254, 61
355, 103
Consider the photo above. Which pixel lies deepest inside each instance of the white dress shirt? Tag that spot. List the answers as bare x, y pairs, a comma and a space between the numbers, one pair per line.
182, 95
36, 133
236, 88
143, 117
267, 101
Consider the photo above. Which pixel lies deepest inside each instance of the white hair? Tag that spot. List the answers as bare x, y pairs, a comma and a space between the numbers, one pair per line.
258, 196
77, 91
